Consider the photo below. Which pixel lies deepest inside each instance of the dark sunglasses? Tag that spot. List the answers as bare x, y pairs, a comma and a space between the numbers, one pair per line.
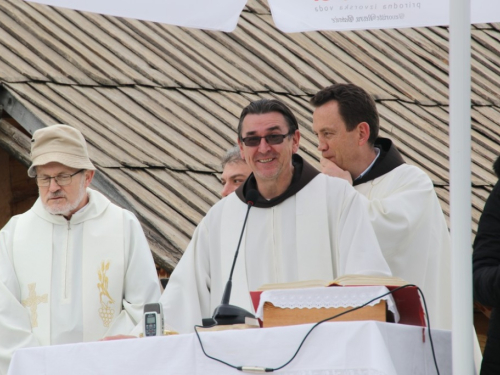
271, 139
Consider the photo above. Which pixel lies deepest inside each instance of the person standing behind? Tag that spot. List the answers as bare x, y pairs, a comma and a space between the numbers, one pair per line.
234, 171
486, 274
75, 267
402, 204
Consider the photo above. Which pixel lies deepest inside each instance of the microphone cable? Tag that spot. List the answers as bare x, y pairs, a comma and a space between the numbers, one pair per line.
267, 369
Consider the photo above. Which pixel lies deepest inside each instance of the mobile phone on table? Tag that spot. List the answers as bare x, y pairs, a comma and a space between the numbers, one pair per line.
153, 319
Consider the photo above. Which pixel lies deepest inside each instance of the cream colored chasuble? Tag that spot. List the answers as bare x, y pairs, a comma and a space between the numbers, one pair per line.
72, 283
298, 239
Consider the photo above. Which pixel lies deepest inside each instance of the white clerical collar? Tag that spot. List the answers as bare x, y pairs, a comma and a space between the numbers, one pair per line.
377, 151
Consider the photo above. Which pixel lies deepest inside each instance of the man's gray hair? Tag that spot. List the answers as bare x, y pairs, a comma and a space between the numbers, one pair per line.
232, 156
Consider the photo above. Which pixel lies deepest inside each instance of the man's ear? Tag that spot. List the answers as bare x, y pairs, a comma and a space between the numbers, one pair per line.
363, 133
241, 148
295, 141
89, 175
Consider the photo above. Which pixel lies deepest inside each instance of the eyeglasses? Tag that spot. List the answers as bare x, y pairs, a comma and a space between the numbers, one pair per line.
271, 139
61, 180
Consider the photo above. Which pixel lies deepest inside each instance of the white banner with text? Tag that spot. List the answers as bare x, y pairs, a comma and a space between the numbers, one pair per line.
308, 15
289, 15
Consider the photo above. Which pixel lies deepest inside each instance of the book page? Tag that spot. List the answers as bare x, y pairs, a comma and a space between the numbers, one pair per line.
341, 281
368, 280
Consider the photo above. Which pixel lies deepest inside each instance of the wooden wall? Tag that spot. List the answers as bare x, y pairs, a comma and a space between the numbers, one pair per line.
18, 192
5, 190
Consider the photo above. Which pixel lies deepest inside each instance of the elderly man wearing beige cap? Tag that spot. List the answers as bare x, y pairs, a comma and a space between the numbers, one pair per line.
75, 267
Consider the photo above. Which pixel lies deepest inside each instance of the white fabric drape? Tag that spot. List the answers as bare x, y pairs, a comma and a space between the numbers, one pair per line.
341, 348
316, 298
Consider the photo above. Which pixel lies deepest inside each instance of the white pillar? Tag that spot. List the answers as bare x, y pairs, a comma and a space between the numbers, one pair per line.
460, 186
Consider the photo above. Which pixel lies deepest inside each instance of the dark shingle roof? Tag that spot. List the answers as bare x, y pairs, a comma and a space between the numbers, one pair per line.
159, 104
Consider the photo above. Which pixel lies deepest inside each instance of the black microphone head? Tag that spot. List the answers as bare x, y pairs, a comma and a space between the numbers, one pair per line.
251, 196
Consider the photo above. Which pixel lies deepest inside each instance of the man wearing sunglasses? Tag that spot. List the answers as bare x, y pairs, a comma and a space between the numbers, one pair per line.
75, 267
303, 225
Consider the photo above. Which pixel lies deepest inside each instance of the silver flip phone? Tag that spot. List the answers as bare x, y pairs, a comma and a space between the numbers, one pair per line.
153, 319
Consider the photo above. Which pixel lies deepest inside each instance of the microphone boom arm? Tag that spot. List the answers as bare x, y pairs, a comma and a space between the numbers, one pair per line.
226, 314
227, 290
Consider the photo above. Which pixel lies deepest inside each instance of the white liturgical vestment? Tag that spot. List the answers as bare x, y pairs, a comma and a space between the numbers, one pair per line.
320, 232
71, 281
412, 233
410, 226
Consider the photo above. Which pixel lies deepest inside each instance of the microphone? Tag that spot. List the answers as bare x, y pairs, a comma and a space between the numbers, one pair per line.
225, 313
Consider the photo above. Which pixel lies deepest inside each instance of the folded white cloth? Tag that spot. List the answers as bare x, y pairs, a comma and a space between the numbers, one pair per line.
315, 298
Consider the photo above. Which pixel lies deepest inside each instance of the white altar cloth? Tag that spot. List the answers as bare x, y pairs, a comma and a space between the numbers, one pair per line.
340, 348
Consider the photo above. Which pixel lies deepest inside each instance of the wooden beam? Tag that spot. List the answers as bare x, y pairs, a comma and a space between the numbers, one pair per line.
15, 142
5, 189
19, 112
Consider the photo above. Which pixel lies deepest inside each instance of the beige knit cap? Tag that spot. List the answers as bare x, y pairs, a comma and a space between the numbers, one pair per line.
61, 144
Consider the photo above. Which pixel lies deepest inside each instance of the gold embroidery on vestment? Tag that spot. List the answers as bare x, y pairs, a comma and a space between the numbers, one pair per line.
32, 303
106, 312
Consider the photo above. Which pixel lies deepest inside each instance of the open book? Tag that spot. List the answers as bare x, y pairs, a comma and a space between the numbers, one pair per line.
341, 281
407, 299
